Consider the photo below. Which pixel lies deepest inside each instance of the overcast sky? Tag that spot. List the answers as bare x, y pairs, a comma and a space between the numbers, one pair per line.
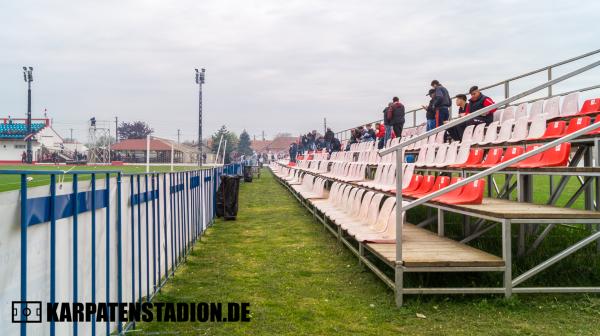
277, 66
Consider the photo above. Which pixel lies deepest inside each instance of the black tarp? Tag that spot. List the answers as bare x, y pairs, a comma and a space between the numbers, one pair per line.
247, 173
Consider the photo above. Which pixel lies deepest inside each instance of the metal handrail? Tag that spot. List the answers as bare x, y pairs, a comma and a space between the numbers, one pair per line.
507, 81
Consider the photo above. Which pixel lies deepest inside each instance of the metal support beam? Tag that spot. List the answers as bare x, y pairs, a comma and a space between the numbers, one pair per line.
507, 257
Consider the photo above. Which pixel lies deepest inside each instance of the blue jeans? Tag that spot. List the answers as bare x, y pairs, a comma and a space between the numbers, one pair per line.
388, 133
430, 124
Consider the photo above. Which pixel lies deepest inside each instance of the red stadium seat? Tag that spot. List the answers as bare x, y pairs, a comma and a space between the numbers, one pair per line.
440, 182
492, 158
512, 152
424, 187
530, 160
590, 106
291, 164
451, 194
300, 157
475, 157
597, 130
414, 184
472, 193
554, 130
553, 157
577, 123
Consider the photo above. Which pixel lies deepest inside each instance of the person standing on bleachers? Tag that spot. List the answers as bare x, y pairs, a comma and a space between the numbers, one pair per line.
430, 111
441, 103
387, 124
395, 114
380, 135
329, 135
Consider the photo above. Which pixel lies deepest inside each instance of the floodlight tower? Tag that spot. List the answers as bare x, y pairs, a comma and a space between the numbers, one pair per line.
200, 81
28, 77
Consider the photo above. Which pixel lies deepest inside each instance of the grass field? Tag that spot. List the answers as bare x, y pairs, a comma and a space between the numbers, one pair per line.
12, 182
300, 281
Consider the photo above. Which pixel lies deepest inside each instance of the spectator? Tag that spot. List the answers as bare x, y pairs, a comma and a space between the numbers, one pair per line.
387, 124
380, 134
336, 145
430, 111
395, 114
369, 133
441, 103
23, 157
293, 151
329, 138
476, 103
456, 132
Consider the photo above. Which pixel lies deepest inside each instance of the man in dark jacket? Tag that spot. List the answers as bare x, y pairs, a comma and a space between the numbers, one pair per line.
395, 114
476, 103
430, 111
387, 124
441, 103
328, 138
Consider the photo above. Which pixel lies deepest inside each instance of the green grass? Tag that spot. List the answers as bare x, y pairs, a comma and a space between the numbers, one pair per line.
300, 281
12, 182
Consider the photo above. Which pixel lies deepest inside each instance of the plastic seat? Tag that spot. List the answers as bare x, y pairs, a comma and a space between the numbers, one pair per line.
597, 130
462, 156
450, 155
468, 133
578, 123
414, 184
478, 133
512, 152
475, 157
570, 105
491, 133
536, 110
553, 157
424, 187
520, 130
537, 128
451, 194
590, 106
554, 130
521, 111
508, 114
532, 161
440, 182
498, 115
552, 108
492, 158
505, 132
472, 193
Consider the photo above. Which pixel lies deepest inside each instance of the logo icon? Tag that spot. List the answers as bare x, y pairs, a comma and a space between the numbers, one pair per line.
27, 311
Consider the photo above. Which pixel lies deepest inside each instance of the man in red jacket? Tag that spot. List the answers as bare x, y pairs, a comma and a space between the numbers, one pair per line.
395, 114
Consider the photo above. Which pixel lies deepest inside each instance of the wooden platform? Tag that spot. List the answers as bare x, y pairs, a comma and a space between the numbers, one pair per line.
501, 208
423, 248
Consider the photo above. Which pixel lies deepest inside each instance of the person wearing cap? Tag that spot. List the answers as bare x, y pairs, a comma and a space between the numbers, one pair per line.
395, 114
476, 103
456, 132
430, 111
441, 103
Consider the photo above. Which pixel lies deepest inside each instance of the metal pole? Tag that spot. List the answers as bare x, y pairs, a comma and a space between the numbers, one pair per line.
200, 81
172, 153
28, 77
218, 149
224, 150
147, 153
549, 79
399, 276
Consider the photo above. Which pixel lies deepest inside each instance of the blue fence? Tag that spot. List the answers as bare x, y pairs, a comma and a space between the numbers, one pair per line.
136, 229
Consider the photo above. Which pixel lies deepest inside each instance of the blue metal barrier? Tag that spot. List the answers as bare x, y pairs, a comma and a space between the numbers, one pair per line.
188, 204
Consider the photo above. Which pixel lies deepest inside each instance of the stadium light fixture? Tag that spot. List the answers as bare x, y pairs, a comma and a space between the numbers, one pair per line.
200, 81
28, 77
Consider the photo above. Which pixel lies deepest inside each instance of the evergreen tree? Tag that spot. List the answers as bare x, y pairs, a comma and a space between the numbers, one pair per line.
244, 145
232, 143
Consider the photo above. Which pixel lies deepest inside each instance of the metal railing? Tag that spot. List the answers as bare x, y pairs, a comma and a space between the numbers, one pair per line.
161, 213
400, 207
343, 135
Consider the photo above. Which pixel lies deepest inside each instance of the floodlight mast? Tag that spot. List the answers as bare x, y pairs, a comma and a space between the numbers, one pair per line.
28, 77
200, 81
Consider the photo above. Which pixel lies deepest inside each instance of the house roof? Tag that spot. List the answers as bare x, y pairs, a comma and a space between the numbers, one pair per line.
276, 145
156, 144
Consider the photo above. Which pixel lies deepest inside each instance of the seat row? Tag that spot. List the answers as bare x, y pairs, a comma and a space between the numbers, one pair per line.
423, 185
463, 156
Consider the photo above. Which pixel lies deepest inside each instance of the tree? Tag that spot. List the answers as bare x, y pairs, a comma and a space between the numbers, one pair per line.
232, 142
244, 145
134, 130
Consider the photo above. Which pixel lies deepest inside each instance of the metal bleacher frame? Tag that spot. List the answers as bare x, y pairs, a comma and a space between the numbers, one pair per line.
589, 152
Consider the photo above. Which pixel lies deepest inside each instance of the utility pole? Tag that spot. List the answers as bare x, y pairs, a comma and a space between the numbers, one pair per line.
200, 81
263, 135
116, 129
28, 76
178, 134
324, 125
70, 129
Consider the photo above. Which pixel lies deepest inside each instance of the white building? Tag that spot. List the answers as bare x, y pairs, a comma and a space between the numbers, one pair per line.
13, 140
